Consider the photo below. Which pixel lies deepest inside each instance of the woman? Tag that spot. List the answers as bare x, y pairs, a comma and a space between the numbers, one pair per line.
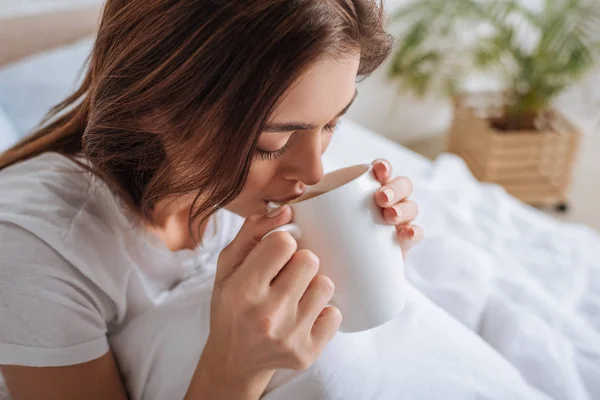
120, 273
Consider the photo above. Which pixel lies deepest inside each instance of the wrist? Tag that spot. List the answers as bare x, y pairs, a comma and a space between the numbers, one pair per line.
212, 378
230, 388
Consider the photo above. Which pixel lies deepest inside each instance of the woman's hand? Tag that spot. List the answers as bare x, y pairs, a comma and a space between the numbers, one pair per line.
268, 311
397, 209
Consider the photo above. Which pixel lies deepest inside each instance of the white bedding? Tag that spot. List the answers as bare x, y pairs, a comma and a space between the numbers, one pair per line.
8, 134
15, 8
30, 87
527, 283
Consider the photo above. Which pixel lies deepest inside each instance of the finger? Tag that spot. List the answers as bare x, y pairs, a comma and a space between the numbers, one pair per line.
294, 278
382, 169
325, 327
317, 295
394, 192
266, 260
408, 236
248, 237
401, 213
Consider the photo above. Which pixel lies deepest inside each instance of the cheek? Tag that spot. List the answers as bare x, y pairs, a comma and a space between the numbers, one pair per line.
250, 200
262, 173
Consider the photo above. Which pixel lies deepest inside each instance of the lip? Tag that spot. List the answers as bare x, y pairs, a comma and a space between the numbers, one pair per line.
285, 199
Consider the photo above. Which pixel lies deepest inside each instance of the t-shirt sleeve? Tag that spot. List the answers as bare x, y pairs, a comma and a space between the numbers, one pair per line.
50, 314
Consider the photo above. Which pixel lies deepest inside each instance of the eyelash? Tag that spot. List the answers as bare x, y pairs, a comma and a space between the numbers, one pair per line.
271, 155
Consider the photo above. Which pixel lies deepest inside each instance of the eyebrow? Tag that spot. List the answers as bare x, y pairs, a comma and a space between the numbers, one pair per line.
296, 126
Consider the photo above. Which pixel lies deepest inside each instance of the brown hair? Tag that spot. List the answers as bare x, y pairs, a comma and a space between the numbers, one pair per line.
177, 91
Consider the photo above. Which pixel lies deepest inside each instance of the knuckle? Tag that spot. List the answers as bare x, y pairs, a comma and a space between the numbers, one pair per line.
298, 359
266, 324
308, 259
324, 284
283, 241
301, 362
286, 346
406, 184
239, 299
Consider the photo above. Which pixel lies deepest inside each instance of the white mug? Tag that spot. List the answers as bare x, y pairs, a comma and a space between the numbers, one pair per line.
358, 251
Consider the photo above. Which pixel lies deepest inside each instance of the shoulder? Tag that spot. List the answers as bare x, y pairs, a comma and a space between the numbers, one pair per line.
46, 167
45, 186
51, 313
62, 267
56, 202
50, 194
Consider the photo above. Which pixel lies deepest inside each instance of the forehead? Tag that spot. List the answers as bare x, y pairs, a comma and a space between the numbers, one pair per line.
320, 93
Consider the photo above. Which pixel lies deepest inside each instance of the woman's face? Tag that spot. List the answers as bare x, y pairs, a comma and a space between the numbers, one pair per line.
289, 150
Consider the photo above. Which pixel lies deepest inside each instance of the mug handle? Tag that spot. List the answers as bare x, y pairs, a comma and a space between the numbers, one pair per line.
292, 228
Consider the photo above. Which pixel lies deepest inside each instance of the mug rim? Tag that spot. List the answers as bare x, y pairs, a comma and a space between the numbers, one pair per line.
369, 168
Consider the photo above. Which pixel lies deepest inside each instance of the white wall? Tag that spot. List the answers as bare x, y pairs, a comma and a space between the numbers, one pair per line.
380, 106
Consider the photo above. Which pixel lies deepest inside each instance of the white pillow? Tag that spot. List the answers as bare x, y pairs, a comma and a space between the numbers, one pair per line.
33, 85
8, 134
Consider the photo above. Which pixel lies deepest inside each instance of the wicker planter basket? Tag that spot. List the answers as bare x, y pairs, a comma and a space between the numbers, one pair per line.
534, 166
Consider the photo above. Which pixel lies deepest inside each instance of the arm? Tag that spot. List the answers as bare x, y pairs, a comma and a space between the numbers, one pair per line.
209, 380
97, 379
52, 325
100, 380
47, 312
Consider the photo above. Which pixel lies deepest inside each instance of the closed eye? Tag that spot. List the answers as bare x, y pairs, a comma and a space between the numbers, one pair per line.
270, 155
274, 154
332, 127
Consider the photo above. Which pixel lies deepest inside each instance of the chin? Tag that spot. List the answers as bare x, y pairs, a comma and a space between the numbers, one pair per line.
247, 208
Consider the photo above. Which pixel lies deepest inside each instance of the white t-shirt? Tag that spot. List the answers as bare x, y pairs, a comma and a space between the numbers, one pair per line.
77, 277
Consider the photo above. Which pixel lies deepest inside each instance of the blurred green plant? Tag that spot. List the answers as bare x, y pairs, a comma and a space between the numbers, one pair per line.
536, 53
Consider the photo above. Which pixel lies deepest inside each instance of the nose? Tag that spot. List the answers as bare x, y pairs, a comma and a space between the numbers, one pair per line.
305, 161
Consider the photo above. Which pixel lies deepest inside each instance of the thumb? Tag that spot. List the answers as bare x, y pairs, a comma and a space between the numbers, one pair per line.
251, 233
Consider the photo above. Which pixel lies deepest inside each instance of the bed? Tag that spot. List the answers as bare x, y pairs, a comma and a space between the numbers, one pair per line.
528, 284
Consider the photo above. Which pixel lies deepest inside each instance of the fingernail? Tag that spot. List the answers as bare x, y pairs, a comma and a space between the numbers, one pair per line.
276, 211
409, 232
395, 213
389, 194
385, 166
380, 170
